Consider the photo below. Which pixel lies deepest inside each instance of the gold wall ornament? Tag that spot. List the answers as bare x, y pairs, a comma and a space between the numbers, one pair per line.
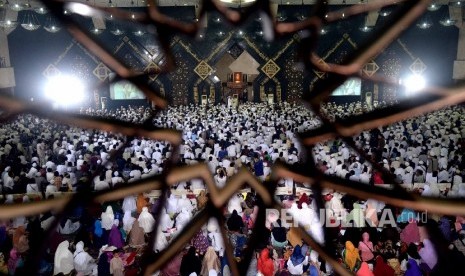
370, 68
101, 71
196, 94
270, 68
152, 70
262, 93
203, 70
278, 93
212, 94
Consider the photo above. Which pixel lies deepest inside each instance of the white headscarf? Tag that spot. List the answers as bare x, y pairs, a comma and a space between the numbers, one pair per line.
128, 220
107, 218
129, 204
146, 220
172, 204
165, 221
83, 262
182, 219
184, 204
161, 241
63, 262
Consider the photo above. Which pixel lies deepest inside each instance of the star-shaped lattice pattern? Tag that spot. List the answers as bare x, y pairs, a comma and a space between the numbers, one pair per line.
152, 69
270, 68
203, 70
51, 71
418, 67
370, 68
344, 128
101, 71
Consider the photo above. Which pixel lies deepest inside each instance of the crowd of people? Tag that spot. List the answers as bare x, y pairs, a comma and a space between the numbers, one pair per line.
41, 159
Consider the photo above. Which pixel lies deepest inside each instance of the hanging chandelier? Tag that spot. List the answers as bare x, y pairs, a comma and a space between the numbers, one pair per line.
30, 21
51, 25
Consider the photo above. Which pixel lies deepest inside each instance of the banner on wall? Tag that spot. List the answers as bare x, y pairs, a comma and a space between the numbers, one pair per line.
352, 87
125, 90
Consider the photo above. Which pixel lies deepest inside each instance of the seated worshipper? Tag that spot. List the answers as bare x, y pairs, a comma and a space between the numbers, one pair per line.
117, 264
185, 204
382, 268
129, 204
136, 236
200, 241
115, 238
411, 233
146, 220
141, 203
265, 263
83, 262
309, 219
215, 236
364, 270
297, 261
13, 261
103, 265
210, 262
235, 203
190, 263
107, 218
161, 242
278, 237
428, 256
365, 247
64, 259
351, 257
166, 223
235, 222
128, 221
172, 205
20, 240
182, 219
202, 200
68, 227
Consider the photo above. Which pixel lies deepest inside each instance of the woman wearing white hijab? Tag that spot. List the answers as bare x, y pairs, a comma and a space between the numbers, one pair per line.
172, 205
146, 220
129, 204
161, 242
63, 262
184, 204
165, 222
128, 221
107, 218
83, 262
182, 219
235, 204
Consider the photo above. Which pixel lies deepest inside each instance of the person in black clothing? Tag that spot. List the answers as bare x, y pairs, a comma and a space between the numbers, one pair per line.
235, 222
190, 263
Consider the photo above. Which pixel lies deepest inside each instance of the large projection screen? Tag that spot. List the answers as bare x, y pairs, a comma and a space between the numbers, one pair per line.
352, 87
125, 90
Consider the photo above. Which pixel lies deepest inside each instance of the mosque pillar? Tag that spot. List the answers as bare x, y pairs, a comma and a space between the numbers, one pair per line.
7, 76
459, 64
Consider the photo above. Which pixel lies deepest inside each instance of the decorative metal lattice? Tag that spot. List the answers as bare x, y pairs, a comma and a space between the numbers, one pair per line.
433, 99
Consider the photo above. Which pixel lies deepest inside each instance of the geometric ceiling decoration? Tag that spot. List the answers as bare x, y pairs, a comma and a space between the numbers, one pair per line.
370, 68
101, 71
246, 64
322, 63
270, 69
417, 67
235, 50
203, 70
151, 69
51, 71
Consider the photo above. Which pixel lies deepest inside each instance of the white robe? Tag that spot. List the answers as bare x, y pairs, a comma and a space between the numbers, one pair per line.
83, 262
129, 204
107, 218
63, 262
146, 220
128, 221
